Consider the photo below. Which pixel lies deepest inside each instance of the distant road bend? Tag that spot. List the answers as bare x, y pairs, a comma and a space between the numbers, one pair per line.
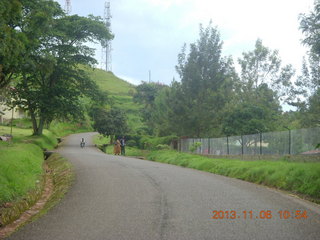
121, 198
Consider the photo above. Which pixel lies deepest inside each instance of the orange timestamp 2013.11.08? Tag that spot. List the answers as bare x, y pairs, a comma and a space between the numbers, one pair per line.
262, 214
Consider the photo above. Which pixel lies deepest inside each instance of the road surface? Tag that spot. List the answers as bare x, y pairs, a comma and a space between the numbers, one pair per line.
121, 198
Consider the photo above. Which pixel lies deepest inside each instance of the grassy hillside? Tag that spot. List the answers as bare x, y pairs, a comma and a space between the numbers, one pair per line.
107, 81
121, 92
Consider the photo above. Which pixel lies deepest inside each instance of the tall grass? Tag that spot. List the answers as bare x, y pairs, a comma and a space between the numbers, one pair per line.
21, 162
302, 178
20, 168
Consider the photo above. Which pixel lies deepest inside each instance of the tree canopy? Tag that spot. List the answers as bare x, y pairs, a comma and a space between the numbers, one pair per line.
50, 80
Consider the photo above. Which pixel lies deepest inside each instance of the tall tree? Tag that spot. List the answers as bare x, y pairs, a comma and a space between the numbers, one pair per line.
263, 84
146, 94
263, 66
51, 80
206, 84
12, 40
309, 25
307, 85
109, 123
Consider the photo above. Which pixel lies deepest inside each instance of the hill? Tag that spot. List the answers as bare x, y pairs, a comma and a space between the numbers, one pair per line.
121, 92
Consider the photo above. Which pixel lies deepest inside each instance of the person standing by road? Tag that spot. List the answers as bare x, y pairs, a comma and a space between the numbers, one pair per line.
123, 146
117, 148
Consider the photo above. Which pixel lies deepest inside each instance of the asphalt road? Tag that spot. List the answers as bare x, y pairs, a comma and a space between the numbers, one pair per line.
121, 198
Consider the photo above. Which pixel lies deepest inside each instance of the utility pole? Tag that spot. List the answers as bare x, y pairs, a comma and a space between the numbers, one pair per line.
106, 46
67, 7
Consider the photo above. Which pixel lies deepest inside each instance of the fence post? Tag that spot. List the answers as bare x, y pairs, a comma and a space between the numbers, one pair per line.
209, 146
228, 146
260, 143
241, 144
289, 141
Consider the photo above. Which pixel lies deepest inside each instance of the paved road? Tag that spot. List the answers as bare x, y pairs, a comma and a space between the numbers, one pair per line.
120, 198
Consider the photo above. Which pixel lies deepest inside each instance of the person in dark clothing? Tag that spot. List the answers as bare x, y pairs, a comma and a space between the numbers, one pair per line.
123, 146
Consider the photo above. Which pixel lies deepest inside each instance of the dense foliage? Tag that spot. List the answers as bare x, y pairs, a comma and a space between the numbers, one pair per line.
49, 83
109, 123
213, 99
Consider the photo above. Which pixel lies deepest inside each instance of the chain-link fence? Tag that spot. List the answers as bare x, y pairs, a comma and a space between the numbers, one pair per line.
275, 143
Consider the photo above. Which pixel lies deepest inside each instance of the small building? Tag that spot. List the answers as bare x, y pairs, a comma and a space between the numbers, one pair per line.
6, 113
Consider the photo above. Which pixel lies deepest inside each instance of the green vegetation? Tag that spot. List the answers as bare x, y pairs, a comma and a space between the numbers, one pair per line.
130, 151
300, 178
102, 143
100, 140
21, 167
21, 162
107, 81
49, 83
120, 94
61, 176
65, 128
109, 123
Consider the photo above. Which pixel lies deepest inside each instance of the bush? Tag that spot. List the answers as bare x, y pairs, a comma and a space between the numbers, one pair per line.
162, 147
195, 146
131, 143
148, 142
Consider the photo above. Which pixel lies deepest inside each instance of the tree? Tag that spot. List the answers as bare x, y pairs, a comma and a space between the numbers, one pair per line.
309, 25
12, 40
146, 94
249, 117
263, 83
109, 123
263, 66
52, 81
207, 81
305, 93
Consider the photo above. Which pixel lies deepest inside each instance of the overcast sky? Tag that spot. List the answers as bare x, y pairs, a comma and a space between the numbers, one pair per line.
149, 34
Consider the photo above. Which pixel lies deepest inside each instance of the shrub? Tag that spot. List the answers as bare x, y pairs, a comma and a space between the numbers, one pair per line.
131, 143
148, 142
195, 146
162, 147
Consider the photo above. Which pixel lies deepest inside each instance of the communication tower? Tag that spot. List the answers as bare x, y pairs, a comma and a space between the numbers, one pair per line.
67, 7
106, 45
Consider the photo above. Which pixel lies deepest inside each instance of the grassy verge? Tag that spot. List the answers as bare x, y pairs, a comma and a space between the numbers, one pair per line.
62, 176
58, 179
21, 168
21, 162
299, 178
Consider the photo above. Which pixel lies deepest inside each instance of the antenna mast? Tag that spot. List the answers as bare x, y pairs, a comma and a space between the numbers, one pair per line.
106, 47
67, 7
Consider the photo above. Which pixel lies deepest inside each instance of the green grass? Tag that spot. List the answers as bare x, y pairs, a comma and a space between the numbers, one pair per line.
21, 161
100, 140
121, 93
130, 151
61, 176
65, 128
107, 81
300, 178
21, 167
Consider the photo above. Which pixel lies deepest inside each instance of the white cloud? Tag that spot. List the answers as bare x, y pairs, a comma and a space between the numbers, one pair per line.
150, 33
